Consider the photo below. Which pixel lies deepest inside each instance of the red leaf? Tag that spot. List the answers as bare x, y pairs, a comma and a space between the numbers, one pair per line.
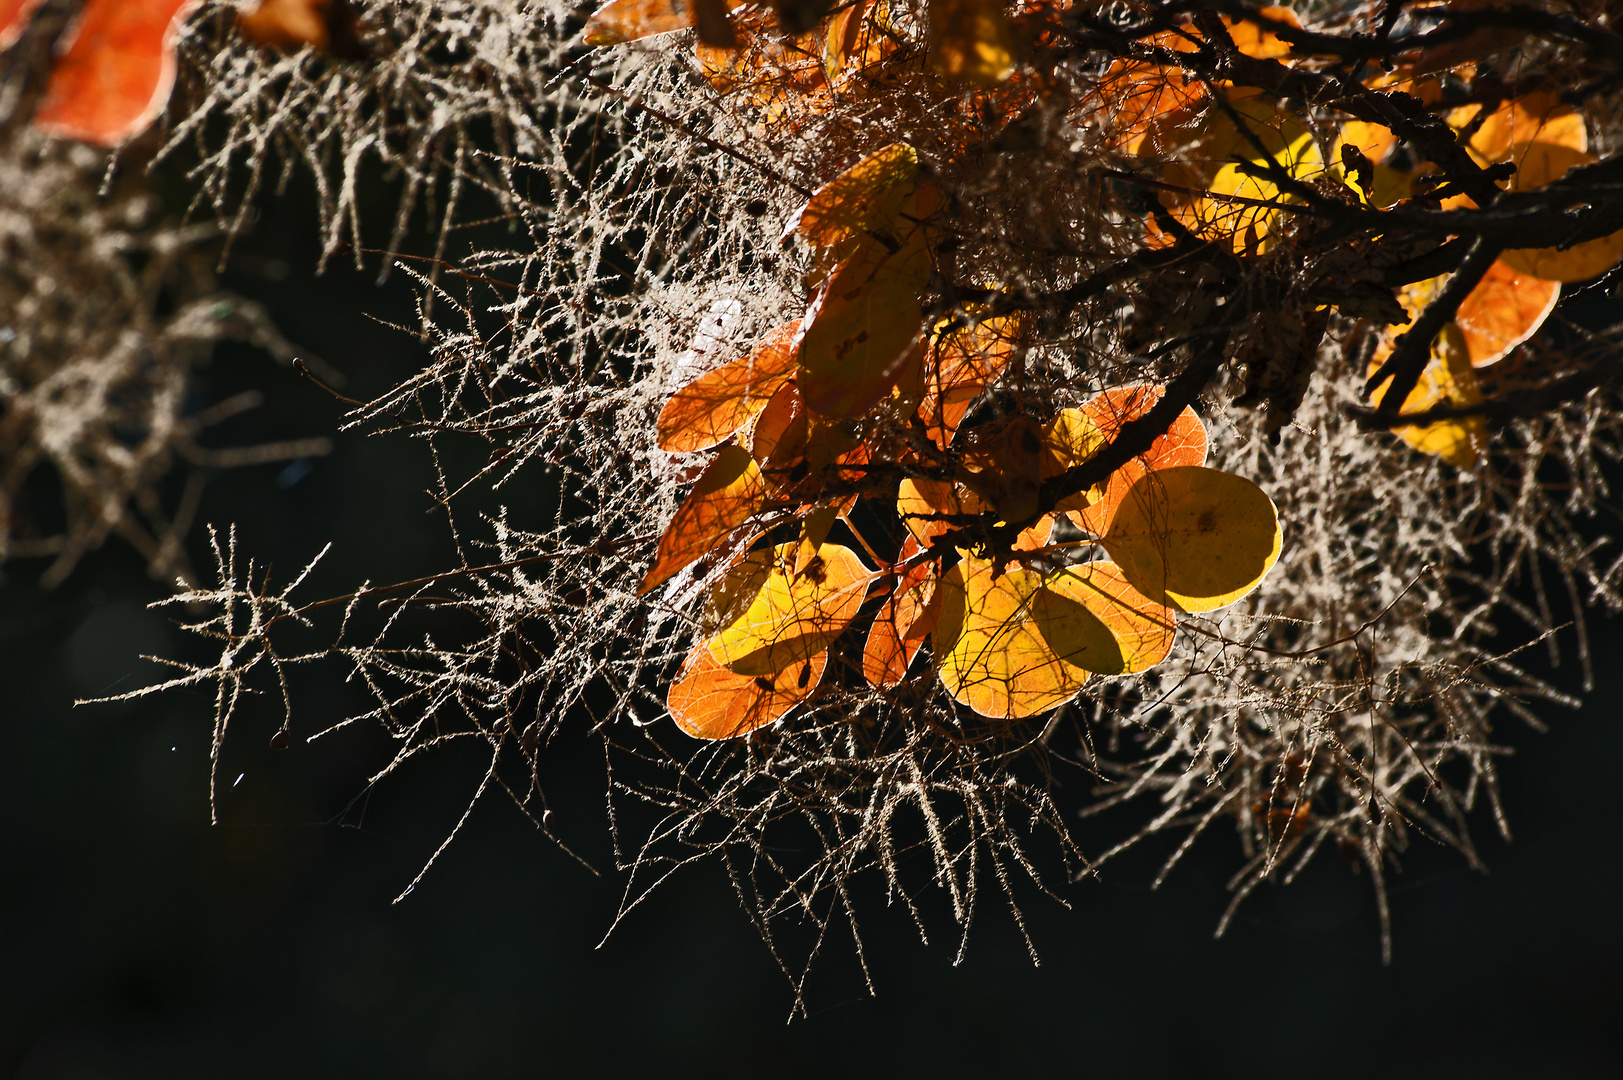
114, 78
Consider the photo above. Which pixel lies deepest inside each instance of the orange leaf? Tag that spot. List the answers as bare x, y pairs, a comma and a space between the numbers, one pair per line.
619, 21
902, 624
1539, 164
327, 25
1257, 41
1195, 537
14, 16
114, 77
728, 493
959, 365
865, 197
710, 409
1504, 310
859, 332
1183, 444
709, 702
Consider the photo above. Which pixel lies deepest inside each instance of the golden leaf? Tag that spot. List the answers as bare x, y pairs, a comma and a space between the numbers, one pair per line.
1194, 537
772, 617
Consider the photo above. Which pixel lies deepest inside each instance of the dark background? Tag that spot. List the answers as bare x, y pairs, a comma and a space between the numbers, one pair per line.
138, 941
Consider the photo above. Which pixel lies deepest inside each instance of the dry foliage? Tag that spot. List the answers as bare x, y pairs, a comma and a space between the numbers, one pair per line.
1268, 214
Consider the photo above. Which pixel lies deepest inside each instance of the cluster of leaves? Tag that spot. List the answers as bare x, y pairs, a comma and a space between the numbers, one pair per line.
948, 296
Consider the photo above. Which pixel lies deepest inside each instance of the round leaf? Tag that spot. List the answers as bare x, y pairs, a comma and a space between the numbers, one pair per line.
1194, 537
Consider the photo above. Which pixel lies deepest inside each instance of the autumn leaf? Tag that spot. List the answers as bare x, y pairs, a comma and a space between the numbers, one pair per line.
113, 78
908, 616
1447, 379
773, 617
962, 361
971, 41
620, 21
1199, 538
1142, 107
1072, 600
330, 26
1289, 146
1539, 164
712, 408
993, 656
1183, 443
1507, 132
1257, 40
1505, 309
727, 494
860, 329
867, 196
709, 702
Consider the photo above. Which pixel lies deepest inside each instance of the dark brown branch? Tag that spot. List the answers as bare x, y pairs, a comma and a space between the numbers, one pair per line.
1412, 349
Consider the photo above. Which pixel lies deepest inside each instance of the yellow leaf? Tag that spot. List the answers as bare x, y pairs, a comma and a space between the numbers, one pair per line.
1198, 538
971, 40
921, 503
1289, 144
709, 702
788, 617
712, 408
992, 655
1072, 437
1072, 601
1448, 378
867, 196
728, 493
859, 332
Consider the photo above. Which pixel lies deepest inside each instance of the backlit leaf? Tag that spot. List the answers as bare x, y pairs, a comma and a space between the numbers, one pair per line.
959, 365
619, 21
865, 197
860, 330
1540, 116
709, 702
327, 25
114, 77
1539, 164
1194, 537
1259, 41
1073, 600
1070, 439
1447, 378
1505, 309
1290, 146
901, 625
790, 617
727, 494
1184, 443
712, 408
971, 40
992, 655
